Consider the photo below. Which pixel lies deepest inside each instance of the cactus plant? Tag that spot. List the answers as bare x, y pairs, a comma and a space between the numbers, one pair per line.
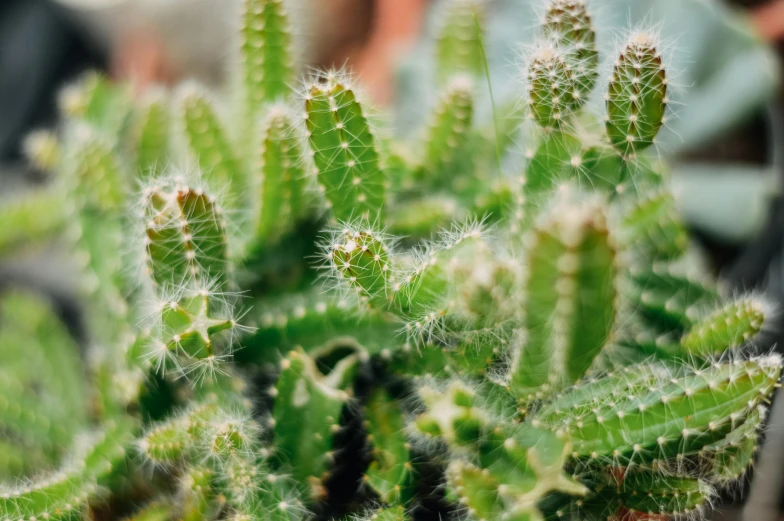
540, 344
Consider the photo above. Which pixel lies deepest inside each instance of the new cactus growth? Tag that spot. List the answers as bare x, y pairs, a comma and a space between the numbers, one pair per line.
538, 347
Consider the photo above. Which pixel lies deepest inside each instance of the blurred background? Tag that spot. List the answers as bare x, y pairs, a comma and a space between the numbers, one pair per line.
726, 144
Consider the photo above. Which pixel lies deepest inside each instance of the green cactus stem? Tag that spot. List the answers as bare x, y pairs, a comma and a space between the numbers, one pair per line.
390, 473
571, 300
551, 85
568, 23
658, 416
282, 196
185, 235
266, 52
459, 43
307, 411
729, 327
637, 97
152, 136
210, 145
448, 134
653, 228
345, 153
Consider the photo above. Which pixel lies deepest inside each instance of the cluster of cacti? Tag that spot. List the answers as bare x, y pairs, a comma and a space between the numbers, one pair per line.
533, 348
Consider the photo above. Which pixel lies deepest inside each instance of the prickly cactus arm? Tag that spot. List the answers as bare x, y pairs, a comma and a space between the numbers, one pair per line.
314, 320
423, 289
570, 308
68, 491
186, 236
476, 491
670, 301
271, 210
266, 52
652, 493
449, 132
344, 150
274, 500
210, 145
307, 411
44, 382
730, 458
197, 498
390, 473
459, 45
282, 190
652, 227
659, 416
97, 179
23, 414
170, 442
569, 24
166, 444
637, 97
31, 219
152, 139
551, 85
732, 326
230, 436
361, 258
